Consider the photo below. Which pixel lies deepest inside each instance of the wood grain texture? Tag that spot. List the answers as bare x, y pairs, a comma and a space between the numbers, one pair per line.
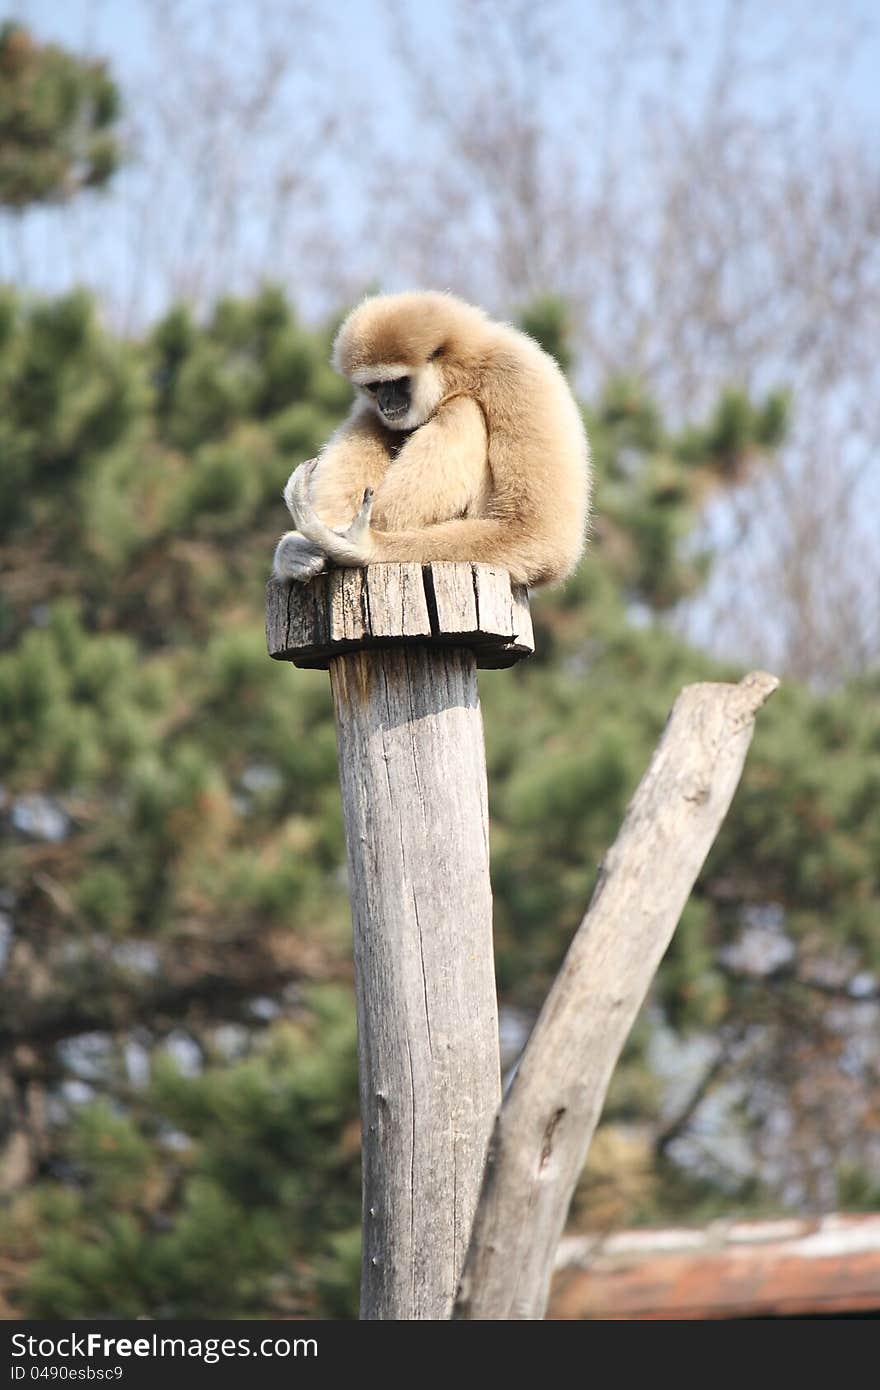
344, 610
412, 771
544, 1127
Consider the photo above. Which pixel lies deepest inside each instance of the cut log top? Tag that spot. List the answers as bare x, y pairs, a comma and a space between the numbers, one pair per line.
443, 604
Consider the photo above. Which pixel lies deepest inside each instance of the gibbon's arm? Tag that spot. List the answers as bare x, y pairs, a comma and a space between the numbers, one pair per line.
353, 459
528, 558
441, 472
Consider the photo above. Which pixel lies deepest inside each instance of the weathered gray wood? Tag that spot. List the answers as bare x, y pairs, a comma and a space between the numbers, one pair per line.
344, 610
454, 597
402, 643
543, 1129
522, 619
412, 770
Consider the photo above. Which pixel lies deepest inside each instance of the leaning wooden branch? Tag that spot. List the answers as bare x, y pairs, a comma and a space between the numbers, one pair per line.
544, 1127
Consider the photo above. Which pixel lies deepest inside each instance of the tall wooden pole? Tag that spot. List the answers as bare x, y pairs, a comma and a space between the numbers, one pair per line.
403, 644
412, 770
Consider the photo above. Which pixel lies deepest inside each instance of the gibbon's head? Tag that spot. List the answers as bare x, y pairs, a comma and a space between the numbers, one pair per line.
402, 352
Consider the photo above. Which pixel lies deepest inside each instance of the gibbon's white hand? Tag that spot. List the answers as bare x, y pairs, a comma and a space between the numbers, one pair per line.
302, 472
346, 547
302, 554
296, 558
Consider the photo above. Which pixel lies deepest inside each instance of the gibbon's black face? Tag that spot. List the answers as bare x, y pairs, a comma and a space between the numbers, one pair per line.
392, 397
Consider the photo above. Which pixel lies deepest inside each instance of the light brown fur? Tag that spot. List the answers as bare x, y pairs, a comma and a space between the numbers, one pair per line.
496, 469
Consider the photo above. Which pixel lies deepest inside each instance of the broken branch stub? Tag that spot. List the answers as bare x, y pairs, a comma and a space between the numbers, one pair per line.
545, 1124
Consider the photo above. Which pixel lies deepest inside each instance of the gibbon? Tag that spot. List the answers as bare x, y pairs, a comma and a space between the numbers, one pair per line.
465, 443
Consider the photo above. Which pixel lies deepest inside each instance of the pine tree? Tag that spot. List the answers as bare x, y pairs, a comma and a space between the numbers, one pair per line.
58, 117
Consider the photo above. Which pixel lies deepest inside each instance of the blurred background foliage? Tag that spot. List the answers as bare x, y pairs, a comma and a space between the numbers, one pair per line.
57, 114
178, 1086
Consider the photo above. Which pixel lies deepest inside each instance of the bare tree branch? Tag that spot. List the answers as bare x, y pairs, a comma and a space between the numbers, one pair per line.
546, 1122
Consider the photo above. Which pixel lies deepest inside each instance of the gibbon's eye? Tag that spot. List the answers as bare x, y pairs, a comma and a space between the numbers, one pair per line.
438, 352
372, 387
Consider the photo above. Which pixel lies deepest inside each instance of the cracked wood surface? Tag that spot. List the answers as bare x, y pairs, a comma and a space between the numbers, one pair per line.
413, 777
544, 1127
402, 643
445, 604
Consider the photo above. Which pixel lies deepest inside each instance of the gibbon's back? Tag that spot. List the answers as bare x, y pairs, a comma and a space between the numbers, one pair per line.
538, 448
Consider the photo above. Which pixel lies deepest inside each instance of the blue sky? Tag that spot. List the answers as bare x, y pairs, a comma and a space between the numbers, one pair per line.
359, 30
343, 49
348, 43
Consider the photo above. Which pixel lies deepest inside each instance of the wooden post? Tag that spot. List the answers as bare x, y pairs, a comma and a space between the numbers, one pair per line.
403, 644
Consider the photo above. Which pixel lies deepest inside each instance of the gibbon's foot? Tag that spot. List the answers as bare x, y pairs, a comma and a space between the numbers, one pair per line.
350, 546
297, 559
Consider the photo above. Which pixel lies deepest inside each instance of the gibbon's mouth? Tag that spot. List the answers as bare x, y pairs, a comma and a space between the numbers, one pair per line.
393, 399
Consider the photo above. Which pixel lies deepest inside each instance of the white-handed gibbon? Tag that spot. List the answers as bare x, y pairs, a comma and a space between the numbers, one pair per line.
464, 443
